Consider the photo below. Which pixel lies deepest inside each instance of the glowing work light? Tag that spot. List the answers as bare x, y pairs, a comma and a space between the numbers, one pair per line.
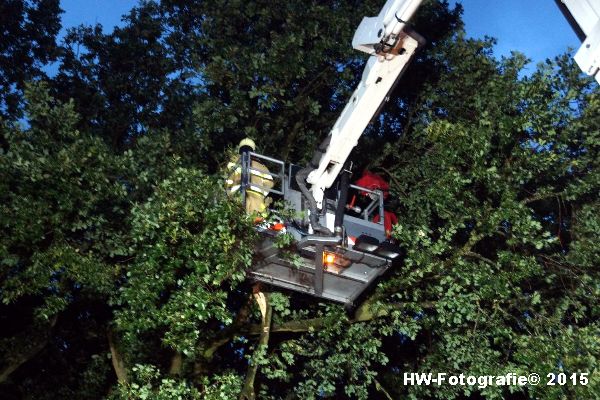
334, 262
328, 258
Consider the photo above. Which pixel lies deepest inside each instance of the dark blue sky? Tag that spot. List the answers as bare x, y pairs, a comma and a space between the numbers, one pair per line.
533, 27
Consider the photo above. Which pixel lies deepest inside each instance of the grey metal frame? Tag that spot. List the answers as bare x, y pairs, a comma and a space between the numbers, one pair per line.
245, 164
280, 175
378, 202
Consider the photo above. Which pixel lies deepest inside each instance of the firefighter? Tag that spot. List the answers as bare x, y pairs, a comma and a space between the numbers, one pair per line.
389, 220
259, 182
372, 181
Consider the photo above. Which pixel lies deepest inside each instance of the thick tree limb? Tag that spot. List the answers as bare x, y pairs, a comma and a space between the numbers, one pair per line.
33, 347
176, 364
116, 357
366, 312
382, 389
467, 247
363, 313
541, 196
479, 257
267, 311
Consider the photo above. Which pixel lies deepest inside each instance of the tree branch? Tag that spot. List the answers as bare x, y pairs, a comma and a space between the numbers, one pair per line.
366, 312
540, 196
382, 389
393, 178
33, 348
176, 364
290, 326
116, 358
479, 257
267, 311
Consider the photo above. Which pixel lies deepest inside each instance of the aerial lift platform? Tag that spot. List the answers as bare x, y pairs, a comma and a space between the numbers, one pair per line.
333, 267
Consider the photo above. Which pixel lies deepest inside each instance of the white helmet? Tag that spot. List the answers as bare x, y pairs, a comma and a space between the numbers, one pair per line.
247, 142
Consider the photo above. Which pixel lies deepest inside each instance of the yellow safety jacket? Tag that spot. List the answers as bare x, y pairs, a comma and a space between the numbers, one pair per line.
260, 183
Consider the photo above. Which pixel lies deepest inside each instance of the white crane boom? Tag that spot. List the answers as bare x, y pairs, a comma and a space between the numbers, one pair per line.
586, 13
391, 47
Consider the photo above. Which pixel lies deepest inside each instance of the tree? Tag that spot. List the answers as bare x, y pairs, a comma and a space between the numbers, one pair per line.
491, 181
28, 43
61, 205
123, 83
72, 225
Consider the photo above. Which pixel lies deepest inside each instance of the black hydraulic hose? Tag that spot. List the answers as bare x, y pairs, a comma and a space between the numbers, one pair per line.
341, 207
301, 180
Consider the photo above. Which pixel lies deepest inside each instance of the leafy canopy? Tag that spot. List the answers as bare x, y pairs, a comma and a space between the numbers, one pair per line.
123, 259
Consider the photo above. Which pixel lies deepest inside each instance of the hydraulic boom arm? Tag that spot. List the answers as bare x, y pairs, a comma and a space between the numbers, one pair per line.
391, 46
